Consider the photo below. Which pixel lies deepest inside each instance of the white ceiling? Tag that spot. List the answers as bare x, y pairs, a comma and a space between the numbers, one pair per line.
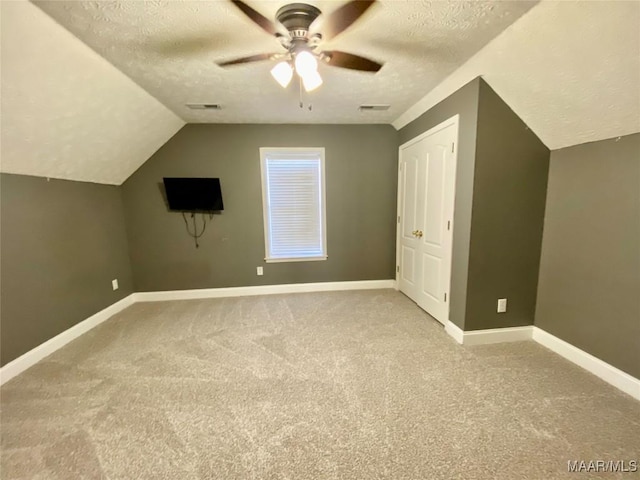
67, 112
170, 49
570, 70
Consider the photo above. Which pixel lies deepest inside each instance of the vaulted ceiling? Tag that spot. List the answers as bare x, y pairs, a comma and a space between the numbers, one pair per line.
67, 112
94, 93
170, 49
570, 70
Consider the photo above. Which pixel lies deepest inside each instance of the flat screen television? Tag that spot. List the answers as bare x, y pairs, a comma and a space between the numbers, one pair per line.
194, 194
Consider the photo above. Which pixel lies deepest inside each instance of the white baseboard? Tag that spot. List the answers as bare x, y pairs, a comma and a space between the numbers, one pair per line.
497, 335
610, 374
45, 349
606, 372
485, 337
261, 290
454, 331
20, 364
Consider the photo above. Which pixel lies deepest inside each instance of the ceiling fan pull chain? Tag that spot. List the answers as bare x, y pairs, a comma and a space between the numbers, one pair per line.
300, 91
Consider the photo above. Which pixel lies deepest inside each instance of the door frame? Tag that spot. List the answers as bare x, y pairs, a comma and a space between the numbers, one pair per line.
455, 120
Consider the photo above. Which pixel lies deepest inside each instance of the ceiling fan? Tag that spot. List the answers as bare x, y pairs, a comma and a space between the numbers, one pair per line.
301, 28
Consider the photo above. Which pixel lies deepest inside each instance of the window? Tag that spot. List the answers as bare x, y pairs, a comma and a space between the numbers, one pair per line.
293, 203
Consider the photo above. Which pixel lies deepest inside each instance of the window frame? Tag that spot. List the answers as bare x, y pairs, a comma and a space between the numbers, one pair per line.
265, 153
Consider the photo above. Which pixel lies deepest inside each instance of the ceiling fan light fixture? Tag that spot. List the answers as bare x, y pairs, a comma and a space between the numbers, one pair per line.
311, 81
306, 63
282, 73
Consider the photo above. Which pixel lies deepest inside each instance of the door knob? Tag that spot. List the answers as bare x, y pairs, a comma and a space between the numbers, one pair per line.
414, 233
419, 233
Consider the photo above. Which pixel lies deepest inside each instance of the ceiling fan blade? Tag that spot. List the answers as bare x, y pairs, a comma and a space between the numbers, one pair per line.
257, 18
342, 18
353, 62
253, 58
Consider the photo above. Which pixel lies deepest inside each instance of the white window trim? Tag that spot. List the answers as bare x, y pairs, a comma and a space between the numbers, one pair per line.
264, 153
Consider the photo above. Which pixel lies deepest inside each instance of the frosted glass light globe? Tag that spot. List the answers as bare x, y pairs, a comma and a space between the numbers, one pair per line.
306, 63
311, 81
282, 73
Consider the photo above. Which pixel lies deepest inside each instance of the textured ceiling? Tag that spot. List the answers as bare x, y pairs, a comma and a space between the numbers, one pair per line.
570, 70
67, 112
169, 48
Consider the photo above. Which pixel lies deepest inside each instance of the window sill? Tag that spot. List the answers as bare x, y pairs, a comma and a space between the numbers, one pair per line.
295, 259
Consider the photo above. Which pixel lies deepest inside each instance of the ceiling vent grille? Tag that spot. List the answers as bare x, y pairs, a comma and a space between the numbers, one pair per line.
375, 107
204, 106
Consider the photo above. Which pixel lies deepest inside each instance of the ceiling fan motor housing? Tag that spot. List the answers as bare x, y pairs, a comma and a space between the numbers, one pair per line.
297, 17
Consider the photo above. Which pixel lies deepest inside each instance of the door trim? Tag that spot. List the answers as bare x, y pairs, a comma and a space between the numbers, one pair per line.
455, 120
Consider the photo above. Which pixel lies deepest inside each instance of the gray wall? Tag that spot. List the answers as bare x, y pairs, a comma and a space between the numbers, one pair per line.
589, 286
361, 171
509, 194
464, 102
61, 243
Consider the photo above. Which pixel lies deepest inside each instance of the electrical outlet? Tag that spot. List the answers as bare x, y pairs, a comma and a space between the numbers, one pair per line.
502, 305
114, 283
259, 271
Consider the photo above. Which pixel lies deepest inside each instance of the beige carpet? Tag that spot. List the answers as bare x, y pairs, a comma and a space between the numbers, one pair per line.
340, 385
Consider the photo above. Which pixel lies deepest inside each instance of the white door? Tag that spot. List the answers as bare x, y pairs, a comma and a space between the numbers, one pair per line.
426, 191
411, 189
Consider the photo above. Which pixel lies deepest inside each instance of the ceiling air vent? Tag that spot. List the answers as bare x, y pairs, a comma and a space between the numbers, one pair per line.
366, 108
204, 106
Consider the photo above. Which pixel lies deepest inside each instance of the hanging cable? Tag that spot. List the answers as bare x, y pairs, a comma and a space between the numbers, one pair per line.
195, 235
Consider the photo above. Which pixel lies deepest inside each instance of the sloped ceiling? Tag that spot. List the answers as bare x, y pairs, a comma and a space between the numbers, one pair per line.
68, 113
570, 70
170, 48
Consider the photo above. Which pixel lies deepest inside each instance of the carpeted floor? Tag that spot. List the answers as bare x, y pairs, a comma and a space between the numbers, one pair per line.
339, 385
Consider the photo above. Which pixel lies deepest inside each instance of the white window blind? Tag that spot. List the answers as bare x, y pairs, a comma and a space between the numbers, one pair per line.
293, 203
